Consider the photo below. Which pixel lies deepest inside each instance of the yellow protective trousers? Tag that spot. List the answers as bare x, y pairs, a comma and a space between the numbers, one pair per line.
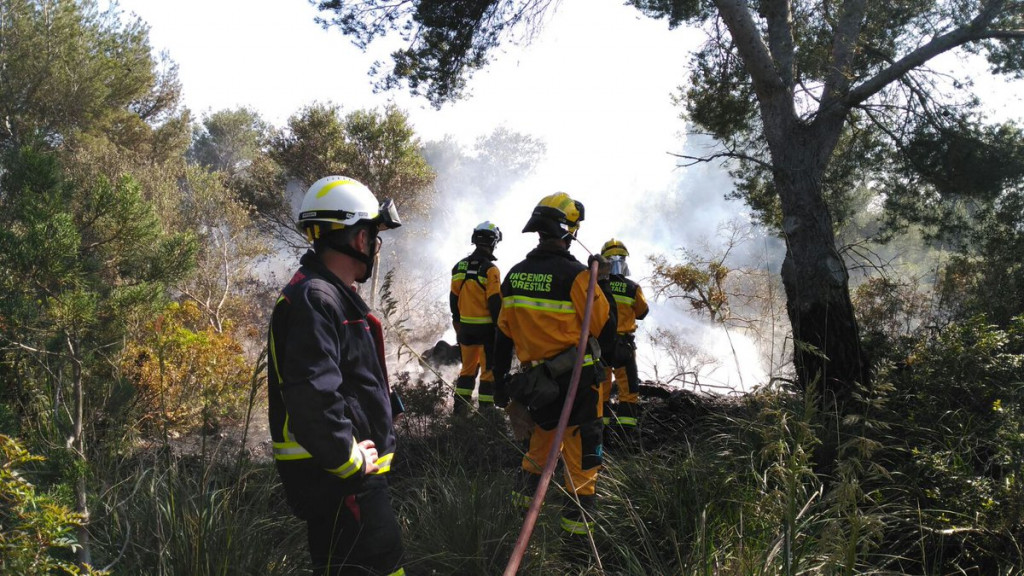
581, 449
474, 360
627, 412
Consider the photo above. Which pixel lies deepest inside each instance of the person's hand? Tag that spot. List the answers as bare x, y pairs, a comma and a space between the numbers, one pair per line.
369, 450
458, 328
603, 266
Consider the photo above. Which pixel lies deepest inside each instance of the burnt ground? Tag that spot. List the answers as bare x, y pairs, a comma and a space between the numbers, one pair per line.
668, 414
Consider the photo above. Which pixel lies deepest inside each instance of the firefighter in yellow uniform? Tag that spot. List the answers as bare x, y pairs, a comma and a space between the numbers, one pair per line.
631, 306
544, 300
475, 301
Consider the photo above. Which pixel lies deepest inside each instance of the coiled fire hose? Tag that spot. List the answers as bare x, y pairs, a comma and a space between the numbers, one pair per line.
556, 446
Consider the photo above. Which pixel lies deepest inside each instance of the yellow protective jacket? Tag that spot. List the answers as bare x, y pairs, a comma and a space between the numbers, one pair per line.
543, 301
475, 297
629, 302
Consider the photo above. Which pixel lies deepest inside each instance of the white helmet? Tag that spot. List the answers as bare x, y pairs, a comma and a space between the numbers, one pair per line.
487, 234
335, 202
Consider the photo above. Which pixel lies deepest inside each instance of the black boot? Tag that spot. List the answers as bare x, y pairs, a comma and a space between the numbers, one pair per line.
463, 395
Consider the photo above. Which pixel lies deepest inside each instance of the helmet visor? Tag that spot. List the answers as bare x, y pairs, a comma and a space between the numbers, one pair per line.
388, 218
618, 264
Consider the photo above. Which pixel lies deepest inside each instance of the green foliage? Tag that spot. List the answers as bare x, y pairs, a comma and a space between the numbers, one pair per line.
954, 444
701, 284
76, 259
889, 309
450, 39
229, 140
464, 525
66, 67
952, 177
384, 154
230, 244
74, 243
676, 11
201, 516
378, 148
186, 373
37, 532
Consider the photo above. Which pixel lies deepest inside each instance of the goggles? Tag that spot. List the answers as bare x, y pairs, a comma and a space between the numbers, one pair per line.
387, 218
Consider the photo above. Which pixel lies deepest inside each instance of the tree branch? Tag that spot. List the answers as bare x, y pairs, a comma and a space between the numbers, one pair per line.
779, 14
844, 45
694, 160
976, 29
755, 55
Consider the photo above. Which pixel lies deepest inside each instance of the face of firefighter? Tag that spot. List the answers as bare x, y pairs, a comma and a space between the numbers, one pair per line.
369, 244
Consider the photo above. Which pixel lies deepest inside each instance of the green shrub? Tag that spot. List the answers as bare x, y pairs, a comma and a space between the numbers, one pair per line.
36, 533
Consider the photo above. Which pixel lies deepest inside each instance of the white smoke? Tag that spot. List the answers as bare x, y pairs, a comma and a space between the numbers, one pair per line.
595, 85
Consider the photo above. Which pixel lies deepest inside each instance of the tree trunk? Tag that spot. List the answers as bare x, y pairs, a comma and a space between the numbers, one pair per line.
84, 554
827, 351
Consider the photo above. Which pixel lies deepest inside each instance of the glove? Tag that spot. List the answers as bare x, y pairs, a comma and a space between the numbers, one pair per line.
501, 397
603, 267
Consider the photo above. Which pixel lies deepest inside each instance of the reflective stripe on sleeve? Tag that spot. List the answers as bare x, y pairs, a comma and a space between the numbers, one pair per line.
354, 464
384, 464
289, 449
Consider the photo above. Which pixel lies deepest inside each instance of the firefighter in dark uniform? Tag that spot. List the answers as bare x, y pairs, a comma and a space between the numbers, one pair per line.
475, 301
330, 406
543, 303
631, 306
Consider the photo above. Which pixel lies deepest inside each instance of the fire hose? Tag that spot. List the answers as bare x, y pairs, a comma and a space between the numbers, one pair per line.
556, 446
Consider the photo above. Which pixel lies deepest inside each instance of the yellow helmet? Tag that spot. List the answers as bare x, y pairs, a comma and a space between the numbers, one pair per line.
614, 247
556, 215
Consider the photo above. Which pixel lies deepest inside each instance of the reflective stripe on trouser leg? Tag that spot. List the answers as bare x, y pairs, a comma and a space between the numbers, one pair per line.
463, 393
486, 395
578, 516
524, 487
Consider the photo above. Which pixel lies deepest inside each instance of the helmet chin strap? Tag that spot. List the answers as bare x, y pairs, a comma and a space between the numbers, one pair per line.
363, 257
